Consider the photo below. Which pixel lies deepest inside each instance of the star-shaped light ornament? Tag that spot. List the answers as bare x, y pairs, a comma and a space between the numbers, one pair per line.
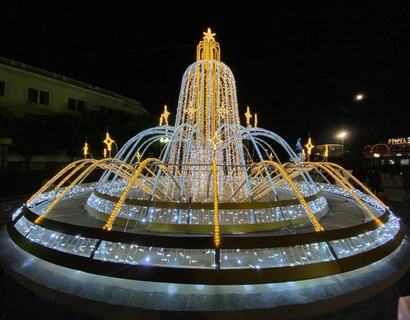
190, 110
165, 115
215, 140
222, 111
209, 35
309, 146
108, 141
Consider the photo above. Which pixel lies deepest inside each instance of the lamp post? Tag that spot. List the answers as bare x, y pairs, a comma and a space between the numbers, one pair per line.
342, 135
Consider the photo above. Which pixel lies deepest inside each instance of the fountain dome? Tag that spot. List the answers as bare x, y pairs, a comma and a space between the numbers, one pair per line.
217, 207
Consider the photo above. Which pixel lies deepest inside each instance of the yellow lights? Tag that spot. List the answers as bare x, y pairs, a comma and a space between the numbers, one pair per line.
248, 117
256, 120
217, 239
209, 35
85, 150
344, 182
110, 221
105, 153
309, 146
215, 140
312, 217
138, 155
342, 135
326, 153
359, 97
397, 141
108, 141
64, 192
190, 110
376, 155
222, 111
208, 48
164, 116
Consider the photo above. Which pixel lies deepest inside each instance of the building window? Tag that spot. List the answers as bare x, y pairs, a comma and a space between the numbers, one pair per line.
44, 98
2, 88
76, 105
81, 106
106, 111
71, 104
32, 95
37, 96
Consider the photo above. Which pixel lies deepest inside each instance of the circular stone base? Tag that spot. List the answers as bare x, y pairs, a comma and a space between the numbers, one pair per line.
114, 298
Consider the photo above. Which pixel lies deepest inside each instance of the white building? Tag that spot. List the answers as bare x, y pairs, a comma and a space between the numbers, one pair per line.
28, 90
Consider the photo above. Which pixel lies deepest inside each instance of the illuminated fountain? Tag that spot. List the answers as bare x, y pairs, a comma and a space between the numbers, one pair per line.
206, 212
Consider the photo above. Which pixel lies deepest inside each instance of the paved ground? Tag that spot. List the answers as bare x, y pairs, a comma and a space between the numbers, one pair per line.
17, 302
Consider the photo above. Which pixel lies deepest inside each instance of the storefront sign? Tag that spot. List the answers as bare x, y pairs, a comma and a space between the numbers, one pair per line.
398, 140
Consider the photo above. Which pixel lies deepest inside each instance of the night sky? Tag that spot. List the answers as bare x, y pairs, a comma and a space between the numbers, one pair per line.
296, 63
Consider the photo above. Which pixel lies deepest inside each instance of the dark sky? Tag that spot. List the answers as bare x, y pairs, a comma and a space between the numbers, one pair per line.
296, 63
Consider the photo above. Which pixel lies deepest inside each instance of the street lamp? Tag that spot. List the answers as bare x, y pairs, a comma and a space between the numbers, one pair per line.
342, 135
359, 97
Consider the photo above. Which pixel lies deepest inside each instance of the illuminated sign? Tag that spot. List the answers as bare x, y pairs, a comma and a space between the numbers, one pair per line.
398, 154
398, 140
376, 155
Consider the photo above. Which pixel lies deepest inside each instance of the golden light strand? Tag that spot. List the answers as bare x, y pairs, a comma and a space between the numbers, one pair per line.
216, 213
110, 221
62, 194
312, 217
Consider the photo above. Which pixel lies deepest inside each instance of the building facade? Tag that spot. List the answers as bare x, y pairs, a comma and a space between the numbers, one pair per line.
29, 90
396, 152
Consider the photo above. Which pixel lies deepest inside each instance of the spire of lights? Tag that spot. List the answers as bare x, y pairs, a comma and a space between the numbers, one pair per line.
108, 141
248, 116
85, 150
309, 146
164, 116
208, 48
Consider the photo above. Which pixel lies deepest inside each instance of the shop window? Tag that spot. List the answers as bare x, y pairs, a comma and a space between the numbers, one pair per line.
2, 88
404, 162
